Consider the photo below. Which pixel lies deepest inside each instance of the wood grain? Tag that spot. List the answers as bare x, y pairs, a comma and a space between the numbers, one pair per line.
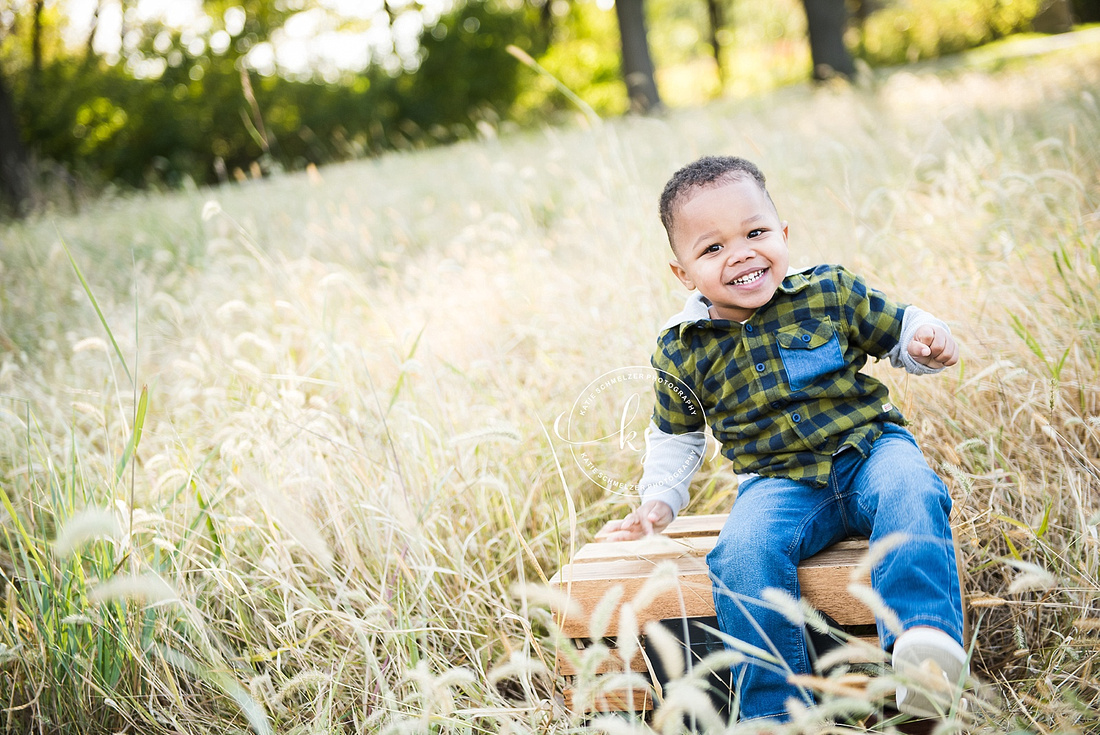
683, 527
684, 584
616, 700
613, 664
665, 576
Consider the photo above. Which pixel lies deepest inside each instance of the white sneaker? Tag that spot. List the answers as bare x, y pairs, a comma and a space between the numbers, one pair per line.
932, 666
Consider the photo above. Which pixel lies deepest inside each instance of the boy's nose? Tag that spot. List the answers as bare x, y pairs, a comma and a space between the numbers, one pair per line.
739, 255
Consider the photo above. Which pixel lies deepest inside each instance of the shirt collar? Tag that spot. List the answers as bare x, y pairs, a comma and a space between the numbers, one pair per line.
697, 308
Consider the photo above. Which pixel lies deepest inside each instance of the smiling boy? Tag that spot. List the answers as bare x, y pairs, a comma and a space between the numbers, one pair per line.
774, 357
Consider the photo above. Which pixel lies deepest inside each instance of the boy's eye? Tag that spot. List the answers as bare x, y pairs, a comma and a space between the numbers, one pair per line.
713, 248
755, 233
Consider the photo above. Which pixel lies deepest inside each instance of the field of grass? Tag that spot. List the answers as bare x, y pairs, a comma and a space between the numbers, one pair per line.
302, 477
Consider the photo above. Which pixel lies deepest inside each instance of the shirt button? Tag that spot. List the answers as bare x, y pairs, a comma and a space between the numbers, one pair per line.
759, 367
805, 338
774, 404
796, 418
748, 327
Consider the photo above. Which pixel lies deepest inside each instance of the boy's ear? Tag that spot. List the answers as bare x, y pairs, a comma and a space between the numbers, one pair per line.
784, 223
681, 274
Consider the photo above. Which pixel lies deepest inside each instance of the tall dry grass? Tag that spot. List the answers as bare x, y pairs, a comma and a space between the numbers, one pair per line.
346, 481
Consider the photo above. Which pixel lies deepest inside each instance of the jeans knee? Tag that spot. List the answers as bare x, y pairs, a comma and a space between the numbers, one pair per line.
747, 559
920, 494
931, 496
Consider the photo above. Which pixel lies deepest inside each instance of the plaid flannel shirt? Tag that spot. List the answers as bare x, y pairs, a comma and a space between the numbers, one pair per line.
782, 392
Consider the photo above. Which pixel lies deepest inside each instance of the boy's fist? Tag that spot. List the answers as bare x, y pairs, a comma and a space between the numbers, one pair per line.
652, 517
934, 348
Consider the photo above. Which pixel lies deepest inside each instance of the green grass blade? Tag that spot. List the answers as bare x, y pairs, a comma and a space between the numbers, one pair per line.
1056, 371
1012, 547
524, 58
250, 708
1029, 339
403, 376
1045, 523
95, 305
135, 435
204, 507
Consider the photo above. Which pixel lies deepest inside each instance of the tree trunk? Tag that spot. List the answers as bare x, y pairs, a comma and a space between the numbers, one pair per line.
122, 27
1055, 16
36, 37
89, 51
15, 170
637, 64
714, 14
546, 21
827, 21
1086, 11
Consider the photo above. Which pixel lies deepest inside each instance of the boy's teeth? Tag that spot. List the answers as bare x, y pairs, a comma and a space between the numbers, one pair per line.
746, 278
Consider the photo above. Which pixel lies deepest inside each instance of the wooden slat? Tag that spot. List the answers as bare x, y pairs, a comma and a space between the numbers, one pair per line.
586, 584
684, 526
616, 700
823, 578
655, 549
702, 525
661, 547
598, 567
613, 664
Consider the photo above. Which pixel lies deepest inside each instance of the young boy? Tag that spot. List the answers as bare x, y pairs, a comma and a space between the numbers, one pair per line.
774, 358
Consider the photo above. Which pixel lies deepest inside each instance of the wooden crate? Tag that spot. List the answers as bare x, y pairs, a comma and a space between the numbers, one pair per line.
599, 566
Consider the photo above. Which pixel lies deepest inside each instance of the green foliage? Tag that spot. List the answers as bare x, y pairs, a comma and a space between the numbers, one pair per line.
466, 73
907, 31
63, 657
584, 56
347, 474
177, 109
261, 18
678, 31
1086, 11
107, 125
766, 47
188, 116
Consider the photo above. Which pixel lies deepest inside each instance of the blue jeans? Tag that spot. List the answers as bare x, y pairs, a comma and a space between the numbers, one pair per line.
775, 523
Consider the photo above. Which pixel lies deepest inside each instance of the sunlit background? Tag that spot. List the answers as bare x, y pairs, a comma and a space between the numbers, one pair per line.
325, 39
291, 295
161, 93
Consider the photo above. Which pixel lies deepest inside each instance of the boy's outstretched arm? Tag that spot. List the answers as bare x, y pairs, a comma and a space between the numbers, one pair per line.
652, 517
933, 347
670, 462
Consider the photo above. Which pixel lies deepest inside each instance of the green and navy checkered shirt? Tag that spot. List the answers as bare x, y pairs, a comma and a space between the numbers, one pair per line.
782, 392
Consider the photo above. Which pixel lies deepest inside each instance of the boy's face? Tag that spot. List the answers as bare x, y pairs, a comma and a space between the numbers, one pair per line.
731, 245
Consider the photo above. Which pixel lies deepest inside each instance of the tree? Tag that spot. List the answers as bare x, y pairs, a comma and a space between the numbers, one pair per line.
827, 20
715, 22
1087, 11
15, 170
36, 37
637, 64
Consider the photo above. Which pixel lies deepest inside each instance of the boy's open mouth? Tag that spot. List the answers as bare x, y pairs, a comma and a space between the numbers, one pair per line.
748, 277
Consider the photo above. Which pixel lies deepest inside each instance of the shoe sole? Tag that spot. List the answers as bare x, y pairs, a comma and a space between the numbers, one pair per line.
927, 694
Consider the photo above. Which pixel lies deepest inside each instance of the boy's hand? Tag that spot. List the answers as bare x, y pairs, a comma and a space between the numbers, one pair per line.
934, 348
652, 517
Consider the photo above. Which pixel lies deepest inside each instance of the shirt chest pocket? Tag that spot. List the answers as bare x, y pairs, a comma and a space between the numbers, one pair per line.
809, 350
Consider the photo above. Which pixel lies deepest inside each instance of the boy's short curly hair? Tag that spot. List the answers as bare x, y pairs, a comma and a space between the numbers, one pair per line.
705, 172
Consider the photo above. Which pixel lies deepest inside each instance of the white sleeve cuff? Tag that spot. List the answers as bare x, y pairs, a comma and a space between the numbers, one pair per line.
671, 461
911, 321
